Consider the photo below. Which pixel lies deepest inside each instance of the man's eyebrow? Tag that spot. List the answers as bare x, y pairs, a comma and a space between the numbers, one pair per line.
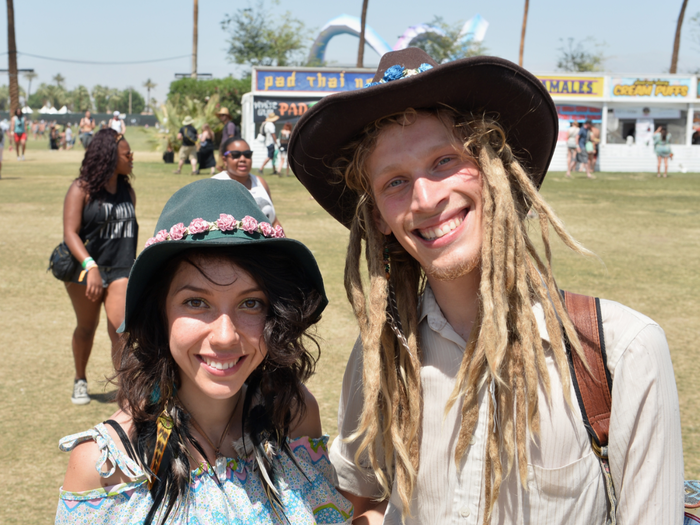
429, 151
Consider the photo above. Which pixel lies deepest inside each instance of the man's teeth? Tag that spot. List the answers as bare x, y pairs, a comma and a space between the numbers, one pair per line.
220, 366
442, 230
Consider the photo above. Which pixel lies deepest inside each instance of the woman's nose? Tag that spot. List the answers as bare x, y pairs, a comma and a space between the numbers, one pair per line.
223, 332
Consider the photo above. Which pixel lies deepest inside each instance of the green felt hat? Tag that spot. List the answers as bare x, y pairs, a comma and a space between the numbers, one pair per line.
213, 213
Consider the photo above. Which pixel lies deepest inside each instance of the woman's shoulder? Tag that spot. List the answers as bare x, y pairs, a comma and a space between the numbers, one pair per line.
98, 457
309, 424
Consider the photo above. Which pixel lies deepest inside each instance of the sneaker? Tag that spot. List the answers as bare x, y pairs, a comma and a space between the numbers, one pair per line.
23, 157
80, 392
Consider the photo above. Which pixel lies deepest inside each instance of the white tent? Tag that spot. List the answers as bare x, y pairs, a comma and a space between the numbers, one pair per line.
27, 109
62, 111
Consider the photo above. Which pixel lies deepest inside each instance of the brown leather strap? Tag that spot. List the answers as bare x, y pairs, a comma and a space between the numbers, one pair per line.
593, 389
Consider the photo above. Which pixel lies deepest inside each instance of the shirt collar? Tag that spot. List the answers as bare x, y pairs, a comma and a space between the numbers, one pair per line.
429, 308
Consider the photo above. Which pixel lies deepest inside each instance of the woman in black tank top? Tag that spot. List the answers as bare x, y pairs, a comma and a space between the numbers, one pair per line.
99, 209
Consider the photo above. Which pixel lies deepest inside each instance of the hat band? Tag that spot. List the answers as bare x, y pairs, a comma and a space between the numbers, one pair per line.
225, 223
398, 72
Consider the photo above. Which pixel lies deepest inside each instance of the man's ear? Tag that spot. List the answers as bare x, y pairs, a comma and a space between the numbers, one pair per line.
379, 222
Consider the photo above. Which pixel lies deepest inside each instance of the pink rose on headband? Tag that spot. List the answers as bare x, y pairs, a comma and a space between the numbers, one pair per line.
198, 226
249, 224
279, 232
226, 222
266, 229
177, 231
161, 236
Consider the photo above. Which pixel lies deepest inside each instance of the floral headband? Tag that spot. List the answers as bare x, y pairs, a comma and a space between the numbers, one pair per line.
398, 72
224, 223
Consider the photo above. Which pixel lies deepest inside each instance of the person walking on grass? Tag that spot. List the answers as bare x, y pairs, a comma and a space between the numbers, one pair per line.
268, 130
215, 425
18, 127
662, 148
100, 200
228, 130
4, 131
571, 147
87, 128
582, 150
188, 150
458, 404
285, 135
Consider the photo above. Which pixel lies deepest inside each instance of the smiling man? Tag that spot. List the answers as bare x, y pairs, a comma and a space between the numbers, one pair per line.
458, 405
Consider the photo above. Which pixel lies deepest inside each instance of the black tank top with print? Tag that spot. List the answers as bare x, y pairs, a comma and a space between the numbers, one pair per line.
114, 214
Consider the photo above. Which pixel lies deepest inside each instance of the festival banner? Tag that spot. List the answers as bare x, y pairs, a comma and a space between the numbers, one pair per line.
660, 88
573, 87
309, 80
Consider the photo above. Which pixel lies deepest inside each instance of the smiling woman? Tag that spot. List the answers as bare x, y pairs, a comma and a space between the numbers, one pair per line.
215, 424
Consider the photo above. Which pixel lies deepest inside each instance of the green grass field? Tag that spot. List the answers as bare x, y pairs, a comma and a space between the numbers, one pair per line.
645, 230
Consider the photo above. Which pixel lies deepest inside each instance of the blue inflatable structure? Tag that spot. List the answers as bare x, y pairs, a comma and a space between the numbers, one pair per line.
474, 30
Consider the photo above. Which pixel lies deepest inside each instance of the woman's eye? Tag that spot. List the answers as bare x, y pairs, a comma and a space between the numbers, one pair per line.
252, 304
195, 303
441, 162
394, 183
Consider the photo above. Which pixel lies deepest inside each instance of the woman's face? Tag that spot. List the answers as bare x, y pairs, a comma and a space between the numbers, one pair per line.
125, 158
237, 167
215, 330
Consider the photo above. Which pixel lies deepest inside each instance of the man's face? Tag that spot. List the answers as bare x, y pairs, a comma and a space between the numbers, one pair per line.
87, 114
223, 118
428, 194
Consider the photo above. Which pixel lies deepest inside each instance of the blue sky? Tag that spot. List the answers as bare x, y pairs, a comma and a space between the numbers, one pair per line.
638, 34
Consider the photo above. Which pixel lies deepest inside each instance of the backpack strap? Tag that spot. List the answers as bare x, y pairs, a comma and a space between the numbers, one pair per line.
594, 386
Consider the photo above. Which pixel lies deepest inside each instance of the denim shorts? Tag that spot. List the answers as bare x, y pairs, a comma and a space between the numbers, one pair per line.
271, 151
109, 275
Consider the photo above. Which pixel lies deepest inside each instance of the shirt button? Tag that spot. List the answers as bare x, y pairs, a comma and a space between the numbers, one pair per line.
464, 512
472, 440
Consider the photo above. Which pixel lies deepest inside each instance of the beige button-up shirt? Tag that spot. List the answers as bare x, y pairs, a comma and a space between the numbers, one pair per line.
564, 482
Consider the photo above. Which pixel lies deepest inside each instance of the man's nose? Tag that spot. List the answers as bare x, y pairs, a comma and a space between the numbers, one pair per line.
428, 193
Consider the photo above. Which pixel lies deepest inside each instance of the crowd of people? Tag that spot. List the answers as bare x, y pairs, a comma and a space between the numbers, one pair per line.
197, 147
462, 399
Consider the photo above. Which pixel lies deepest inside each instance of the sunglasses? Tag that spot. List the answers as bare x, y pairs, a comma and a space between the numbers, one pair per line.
235, 154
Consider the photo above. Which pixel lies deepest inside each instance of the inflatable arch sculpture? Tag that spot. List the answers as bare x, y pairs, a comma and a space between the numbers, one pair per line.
473, 29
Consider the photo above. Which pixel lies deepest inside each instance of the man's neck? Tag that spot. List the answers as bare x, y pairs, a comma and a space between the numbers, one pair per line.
458, 300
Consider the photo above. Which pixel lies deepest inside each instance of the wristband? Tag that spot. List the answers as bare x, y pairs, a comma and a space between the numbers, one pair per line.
87, 261
90, 266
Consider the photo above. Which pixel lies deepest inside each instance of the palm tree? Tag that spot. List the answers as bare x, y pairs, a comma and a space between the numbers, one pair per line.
30, 75
149, 85
12, 56
363, 22
677, 40
58, 78
522, 35
194, 40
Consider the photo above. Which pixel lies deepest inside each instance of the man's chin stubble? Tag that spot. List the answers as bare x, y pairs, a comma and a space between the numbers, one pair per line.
454, 271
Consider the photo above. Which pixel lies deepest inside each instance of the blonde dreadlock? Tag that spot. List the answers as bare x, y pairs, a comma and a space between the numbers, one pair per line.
504, 349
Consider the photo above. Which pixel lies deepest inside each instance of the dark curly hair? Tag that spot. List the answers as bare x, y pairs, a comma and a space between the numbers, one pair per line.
148, 376
99, 163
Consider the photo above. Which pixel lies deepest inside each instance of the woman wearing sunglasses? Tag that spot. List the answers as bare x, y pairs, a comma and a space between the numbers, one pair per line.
237, 165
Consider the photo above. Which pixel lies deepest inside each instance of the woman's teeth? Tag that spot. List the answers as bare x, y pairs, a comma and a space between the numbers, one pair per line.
220, 366
442, 230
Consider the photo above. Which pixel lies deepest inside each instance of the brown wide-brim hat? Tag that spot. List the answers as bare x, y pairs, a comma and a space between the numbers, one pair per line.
223, 111
409, 78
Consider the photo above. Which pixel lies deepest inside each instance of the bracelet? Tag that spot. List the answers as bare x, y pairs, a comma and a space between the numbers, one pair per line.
87, 261
90, 266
